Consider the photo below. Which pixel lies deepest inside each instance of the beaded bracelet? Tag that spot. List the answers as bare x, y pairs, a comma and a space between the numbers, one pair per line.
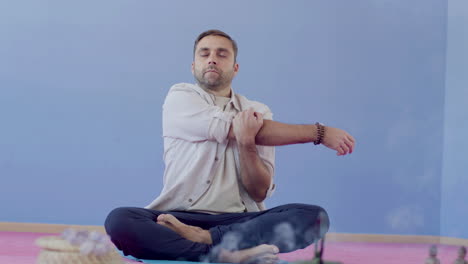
320, 133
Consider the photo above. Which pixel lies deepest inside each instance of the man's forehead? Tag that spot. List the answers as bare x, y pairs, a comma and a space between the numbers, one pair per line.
215, 43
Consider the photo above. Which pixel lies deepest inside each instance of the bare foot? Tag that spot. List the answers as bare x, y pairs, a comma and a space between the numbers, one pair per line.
192, 233
259, 254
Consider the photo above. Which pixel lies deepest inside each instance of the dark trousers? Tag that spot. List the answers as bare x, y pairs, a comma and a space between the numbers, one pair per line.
290, 227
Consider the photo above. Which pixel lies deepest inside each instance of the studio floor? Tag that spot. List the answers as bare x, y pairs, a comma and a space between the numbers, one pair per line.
19, 248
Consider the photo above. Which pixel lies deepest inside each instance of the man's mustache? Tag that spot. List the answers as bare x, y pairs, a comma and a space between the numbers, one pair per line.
211, 68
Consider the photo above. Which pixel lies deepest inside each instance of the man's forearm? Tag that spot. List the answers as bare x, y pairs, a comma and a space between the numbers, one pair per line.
274, 133
255, 175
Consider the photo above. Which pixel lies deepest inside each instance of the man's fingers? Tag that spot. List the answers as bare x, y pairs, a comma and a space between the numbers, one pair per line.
340, 151
339, 140
345, 148
350, 146
259, 117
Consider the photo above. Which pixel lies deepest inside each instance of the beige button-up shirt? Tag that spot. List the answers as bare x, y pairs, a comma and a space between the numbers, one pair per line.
195, 131
223, 194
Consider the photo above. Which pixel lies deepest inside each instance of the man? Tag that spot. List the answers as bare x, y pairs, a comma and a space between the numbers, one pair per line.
219, 157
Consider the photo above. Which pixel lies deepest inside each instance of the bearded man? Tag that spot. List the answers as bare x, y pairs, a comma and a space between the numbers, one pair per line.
219, 166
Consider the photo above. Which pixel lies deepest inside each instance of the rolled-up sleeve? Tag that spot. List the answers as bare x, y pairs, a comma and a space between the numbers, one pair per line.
267, 154
188, 116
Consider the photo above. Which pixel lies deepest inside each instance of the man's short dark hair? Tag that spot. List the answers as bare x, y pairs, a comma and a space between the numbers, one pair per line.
216, 32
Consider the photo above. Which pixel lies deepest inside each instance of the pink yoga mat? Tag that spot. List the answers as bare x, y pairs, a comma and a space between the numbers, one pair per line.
19, 248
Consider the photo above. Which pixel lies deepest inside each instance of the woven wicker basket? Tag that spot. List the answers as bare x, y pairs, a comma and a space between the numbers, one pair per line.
56, 250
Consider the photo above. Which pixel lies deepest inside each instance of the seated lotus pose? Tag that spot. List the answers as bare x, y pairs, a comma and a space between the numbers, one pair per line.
219, 166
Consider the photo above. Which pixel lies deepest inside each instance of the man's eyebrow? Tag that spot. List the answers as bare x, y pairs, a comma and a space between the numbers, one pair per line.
218, 49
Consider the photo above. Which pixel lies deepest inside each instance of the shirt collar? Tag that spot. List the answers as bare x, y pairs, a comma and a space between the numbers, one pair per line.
234, 98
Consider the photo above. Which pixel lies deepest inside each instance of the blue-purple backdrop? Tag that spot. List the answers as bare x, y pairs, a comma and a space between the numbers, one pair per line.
82, 84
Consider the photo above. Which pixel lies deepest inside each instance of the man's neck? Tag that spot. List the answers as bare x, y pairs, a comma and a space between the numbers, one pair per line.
224, 92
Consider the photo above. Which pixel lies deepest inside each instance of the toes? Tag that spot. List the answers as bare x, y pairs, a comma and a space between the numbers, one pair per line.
161, 218
270, 249
275, 249
172, 220
167, 218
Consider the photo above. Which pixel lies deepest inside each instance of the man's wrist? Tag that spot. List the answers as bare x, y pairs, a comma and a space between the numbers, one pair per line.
320, 132
246, 142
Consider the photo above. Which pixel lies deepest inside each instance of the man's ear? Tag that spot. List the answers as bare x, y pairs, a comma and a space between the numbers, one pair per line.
193, 69
236, 68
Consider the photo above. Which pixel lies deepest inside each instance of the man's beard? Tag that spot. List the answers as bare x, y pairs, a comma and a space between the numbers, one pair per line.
215, 84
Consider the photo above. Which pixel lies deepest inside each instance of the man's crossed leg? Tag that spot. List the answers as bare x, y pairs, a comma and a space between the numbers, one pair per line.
233, 237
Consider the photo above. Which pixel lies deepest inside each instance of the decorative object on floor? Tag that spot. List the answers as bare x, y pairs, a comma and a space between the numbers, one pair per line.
432, 259
77, 247
461, 256
319, 243
318, 253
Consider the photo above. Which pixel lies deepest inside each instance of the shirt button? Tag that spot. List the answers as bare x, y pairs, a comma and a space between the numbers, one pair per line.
216, 158
208, 181
190, 200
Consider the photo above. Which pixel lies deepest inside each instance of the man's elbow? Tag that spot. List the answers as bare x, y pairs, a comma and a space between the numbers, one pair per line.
259, 195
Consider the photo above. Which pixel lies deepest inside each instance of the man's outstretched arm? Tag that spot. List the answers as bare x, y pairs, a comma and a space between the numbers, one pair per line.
273, 133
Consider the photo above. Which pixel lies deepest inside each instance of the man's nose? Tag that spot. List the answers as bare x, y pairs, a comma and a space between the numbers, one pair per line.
212, 60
